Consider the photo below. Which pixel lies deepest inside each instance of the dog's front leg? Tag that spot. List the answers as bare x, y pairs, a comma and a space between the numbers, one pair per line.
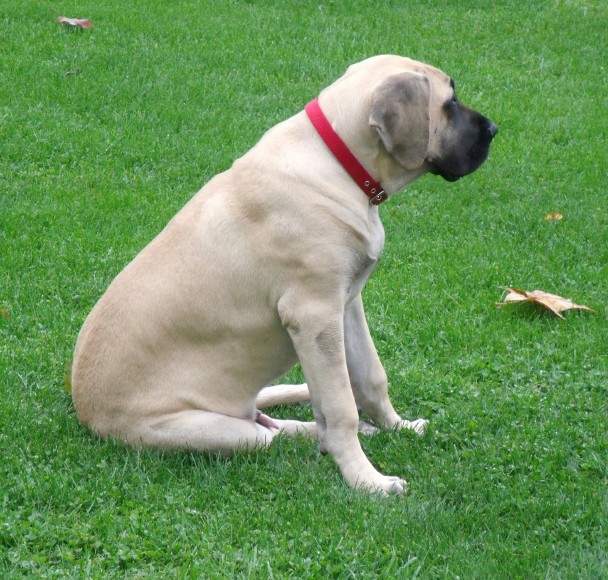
317, 332
367, 376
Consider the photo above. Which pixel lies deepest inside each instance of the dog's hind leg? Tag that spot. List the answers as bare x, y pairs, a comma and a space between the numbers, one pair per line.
201, 431
306, 428
213, 432
288, 426
288, 394
282, 395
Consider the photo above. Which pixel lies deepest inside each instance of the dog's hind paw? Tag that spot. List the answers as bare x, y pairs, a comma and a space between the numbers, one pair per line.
367, 428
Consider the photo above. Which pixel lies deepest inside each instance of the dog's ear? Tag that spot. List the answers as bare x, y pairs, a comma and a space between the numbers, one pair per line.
400, 115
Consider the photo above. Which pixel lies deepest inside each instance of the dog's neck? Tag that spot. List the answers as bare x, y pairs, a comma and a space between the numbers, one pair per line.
368, 150
372, 189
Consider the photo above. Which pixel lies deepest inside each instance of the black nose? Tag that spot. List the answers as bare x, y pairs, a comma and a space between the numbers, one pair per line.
491, 129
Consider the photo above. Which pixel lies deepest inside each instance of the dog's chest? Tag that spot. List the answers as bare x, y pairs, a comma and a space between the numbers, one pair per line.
376, 244
367, 261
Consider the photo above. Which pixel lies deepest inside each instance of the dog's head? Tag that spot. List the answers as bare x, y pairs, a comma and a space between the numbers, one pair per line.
420, 123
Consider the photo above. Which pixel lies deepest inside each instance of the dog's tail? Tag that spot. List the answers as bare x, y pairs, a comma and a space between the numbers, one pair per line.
282, 395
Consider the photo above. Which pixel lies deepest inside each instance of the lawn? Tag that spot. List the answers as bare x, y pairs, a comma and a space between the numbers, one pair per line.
106, 133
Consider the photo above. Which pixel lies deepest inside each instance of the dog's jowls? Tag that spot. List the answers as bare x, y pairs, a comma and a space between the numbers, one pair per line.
263, 269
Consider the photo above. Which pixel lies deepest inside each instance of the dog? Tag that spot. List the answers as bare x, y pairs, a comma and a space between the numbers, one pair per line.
263, 268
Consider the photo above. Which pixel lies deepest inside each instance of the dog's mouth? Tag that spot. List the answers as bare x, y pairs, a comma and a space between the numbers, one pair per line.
449, 171
453, 167
453, 170
451, 177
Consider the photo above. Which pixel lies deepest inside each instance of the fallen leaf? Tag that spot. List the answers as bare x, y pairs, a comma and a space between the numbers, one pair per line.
4, 312
80, 22
552, 302
554, 217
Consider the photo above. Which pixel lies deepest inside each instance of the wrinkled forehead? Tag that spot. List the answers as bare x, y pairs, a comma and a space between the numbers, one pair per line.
443, 87
385, 65
439, 80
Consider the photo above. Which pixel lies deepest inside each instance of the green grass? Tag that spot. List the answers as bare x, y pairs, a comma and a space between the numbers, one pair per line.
105, 134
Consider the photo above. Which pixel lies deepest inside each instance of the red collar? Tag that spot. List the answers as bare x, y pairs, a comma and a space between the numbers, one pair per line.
342, 153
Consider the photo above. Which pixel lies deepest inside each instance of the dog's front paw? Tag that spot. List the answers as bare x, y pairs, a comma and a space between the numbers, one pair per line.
384, 485
418, 426
365, 477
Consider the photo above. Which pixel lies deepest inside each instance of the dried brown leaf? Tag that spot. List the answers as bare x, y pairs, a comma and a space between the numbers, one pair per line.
77, 22
551, 302
554, 217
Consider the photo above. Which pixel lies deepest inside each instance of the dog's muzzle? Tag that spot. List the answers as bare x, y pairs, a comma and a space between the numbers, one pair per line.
467, 155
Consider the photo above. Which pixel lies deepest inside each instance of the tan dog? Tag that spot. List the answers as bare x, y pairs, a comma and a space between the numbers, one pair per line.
264, 268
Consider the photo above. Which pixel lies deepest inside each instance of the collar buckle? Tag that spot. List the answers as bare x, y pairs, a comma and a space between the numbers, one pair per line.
378, 198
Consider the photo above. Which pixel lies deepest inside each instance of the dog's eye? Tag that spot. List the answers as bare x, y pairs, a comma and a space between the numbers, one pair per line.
449, 104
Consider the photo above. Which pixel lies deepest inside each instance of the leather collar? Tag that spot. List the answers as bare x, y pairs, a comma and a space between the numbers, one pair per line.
342, 153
